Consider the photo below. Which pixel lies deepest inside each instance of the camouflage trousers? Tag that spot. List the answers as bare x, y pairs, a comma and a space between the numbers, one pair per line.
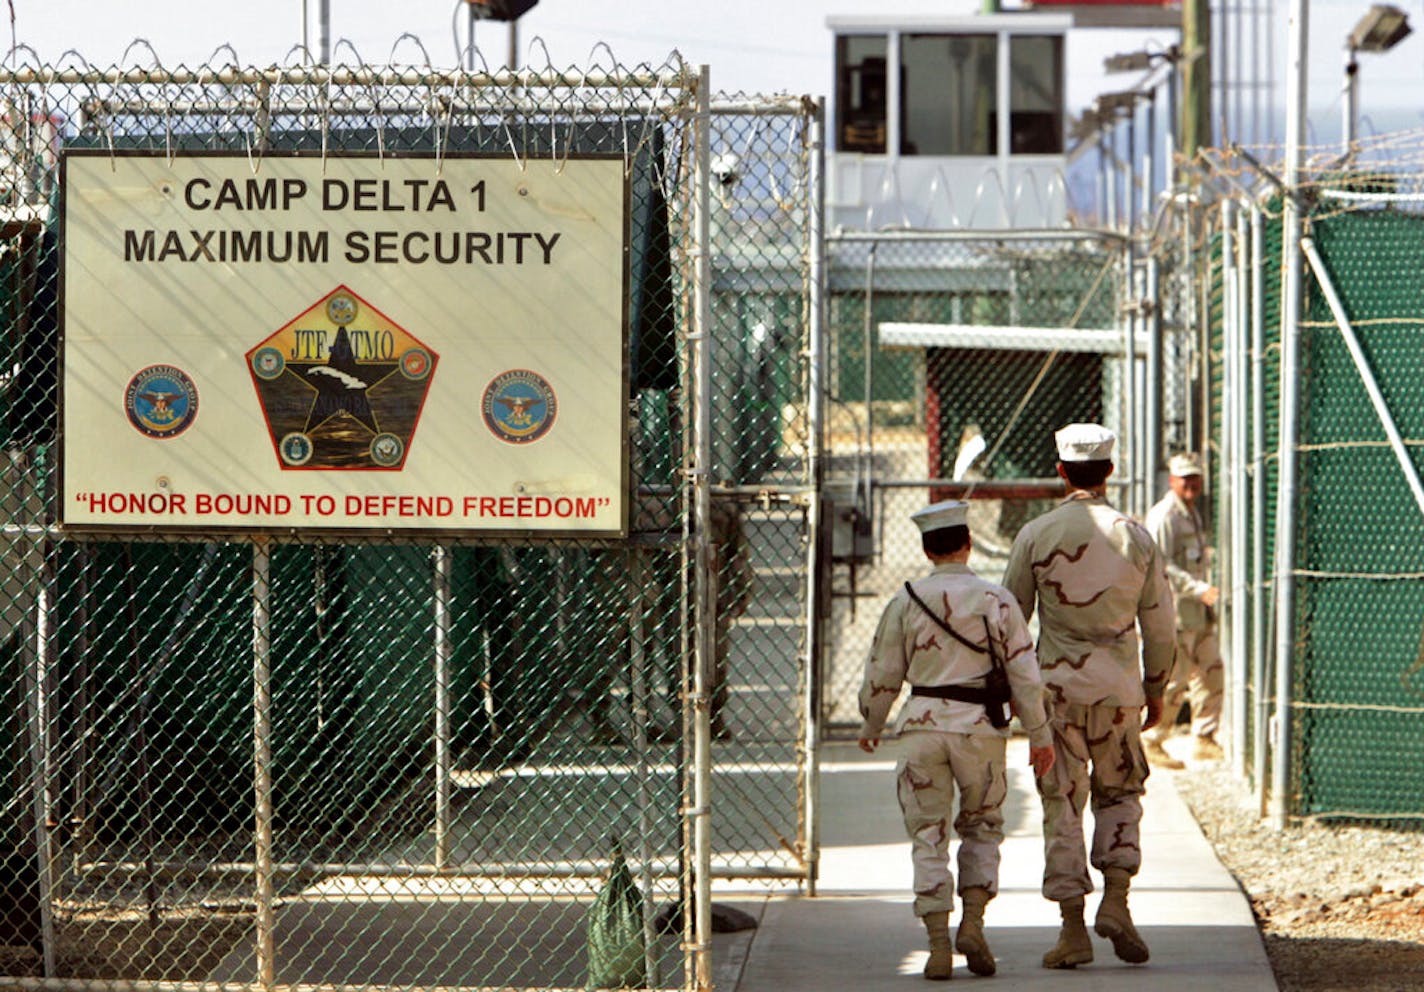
1099, 757
1198, 677
932, 765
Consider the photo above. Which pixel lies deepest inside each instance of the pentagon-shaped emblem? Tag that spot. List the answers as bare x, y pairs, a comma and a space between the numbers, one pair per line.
341, 386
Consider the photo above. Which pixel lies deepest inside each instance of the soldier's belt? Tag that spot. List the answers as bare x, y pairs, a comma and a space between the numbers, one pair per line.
959, 693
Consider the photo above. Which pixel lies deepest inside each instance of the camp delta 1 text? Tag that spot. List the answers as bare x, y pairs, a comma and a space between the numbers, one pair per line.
375, 195
314, 247
379, 246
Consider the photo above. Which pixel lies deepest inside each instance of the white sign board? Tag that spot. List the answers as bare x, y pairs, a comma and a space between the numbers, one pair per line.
344, 343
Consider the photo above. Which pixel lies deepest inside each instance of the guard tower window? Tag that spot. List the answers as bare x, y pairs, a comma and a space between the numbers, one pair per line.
860, 93
948, 102
1036, 95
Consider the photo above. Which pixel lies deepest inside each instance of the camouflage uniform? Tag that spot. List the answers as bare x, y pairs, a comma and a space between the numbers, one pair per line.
1178, 530
1095, 575
947, 743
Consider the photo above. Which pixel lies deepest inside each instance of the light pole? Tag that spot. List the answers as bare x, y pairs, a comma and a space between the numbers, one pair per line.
1382, 27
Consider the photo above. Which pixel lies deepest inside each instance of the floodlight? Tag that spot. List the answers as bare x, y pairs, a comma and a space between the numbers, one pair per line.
500, 10
1111, 103
1128, 62
1383, 27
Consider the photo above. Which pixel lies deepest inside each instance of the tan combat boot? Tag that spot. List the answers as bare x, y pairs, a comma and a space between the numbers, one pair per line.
1207, 749
940, 966
1114, 921
969, 940
1159, 757
1074, 946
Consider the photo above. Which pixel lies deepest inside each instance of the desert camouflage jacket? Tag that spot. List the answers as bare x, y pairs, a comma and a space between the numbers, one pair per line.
1177, 529
910, 647
1095, 574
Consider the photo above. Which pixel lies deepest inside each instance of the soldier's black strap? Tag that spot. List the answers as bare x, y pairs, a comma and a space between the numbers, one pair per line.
946, 627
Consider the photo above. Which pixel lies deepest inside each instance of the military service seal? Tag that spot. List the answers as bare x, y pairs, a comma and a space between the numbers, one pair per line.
161, 401
519, 406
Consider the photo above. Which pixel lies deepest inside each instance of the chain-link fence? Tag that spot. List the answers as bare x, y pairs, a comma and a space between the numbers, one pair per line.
953, 359
382, 755
1327, 708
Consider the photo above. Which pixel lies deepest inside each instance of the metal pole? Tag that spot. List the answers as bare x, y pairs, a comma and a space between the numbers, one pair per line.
324, 31
1239, 599
1362, 365
1129, 447
868, 353
1349, 101
1259, 615
1189, 295
638, 684
1131, 168
1230, 388
1104, 164
1284, 571
441, 556
704, 641
265, 893
815, 413
1224, 40
1148, 147
37, 698
1153, 439
470, 34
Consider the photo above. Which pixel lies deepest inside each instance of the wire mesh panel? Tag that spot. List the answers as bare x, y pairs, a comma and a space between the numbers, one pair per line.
762, 199
1354, 695
376, 760
953, 360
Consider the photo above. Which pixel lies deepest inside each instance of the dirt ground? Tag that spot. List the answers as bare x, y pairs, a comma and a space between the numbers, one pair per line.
1339, 906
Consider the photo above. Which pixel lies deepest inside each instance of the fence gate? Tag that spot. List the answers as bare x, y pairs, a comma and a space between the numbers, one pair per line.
244, 754
953, 358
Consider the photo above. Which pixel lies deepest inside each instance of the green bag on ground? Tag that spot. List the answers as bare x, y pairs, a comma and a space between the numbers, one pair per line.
615, 931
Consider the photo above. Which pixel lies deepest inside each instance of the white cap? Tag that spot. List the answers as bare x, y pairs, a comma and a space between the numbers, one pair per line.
1184, 465
937, 516
1084, 443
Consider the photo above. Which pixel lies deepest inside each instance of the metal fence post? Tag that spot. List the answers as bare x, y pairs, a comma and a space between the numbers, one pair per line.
441, 556
815, 442
1289, 436
704, 641
1154, 427
264, 893
1239, 596
1260, 617
37, 696
1226, 454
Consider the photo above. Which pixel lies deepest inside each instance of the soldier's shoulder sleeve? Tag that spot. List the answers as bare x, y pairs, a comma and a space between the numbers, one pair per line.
1018, 573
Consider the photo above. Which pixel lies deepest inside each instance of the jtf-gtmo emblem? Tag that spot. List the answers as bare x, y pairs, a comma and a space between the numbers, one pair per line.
161, 401
519, 406
342, 386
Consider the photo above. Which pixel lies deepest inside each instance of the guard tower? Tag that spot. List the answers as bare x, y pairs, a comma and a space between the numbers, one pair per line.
948, 122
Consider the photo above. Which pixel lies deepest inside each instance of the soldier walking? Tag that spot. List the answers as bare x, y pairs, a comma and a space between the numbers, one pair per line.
1095, 576
946, 635
1176, 525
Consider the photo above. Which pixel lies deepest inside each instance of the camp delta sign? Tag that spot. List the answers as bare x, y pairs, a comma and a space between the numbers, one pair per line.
397, 344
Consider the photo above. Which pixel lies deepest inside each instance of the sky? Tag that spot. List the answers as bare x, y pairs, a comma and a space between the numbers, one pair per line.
764, 46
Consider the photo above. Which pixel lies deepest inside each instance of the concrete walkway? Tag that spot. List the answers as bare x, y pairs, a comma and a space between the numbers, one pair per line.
860, 934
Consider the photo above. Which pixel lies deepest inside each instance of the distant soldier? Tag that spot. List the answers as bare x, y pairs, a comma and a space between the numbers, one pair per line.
1176, 525
946, 634
1095, 575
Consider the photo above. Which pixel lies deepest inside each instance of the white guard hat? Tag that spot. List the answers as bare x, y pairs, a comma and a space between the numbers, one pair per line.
1084, 443
1184, 465
937, 516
